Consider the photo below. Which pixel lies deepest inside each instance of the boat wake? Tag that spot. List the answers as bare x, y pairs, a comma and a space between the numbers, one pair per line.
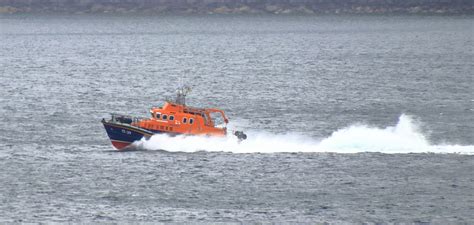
405, 137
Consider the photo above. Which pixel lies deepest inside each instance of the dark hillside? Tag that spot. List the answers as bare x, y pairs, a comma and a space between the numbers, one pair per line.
238, 6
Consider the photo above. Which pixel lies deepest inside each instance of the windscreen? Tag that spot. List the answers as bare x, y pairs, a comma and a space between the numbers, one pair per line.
217, 119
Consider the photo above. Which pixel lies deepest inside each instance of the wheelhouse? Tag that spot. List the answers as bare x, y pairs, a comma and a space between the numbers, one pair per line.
180, 118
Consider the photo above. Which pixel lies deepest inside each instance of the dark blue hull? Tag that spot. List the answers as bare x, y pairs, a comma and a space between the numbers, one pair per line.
122, 135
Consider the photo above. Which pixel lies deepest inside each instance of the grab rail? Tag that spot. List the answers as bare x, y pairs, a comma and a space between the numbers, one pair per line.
126, 119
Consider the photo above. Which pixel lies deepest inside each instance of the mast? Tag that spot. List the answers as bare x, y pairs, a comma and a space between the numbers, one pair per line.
181, 94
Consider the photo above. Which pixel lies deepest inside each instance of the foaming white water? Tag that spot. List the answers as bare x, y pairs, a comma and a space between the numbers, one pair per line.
402, 138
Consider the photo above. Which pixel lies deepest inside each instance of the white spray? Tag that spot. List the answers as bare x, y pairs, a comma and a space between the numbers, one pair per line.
402, 138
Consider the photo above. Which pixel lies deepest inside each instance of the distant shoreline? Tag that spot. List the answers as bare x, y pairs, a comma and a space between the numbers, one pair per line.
276, 9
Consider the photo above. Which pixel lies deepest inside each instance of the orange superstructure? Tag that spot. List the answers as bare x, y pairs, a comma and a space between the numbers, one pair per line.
180, 119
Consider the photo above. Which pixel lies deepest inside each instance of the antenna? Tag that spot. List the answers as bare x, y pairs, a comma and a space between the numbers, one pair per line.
181, 94
182, 78
183, 89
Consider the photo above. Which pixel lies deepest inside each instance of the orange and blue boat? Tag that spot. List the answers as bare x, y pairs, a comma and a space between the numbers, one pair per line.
173, 118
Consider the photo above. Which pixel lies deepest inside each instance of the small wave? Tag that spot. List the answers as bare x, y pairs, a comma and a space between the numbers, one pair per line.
405, 137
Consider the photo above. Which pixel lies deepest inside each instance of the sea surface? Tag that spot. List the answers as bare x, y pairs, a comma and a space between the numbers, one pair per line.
350, 118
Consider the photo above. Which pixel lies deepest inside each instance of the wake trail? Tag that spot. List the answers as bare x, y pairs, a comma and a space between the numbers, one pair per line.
405, 137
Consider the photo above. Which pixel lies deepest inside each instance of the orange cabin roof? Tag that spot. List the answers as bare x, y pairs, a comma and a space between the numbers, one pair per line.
178, 118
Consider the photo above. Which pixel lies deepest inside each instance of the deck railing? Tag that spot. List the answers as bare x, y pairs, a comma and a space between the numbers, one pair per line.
126, 119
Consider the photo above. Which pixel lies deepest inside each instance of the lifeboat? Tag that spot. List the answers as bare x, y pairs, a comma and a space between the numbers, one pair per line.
173, 118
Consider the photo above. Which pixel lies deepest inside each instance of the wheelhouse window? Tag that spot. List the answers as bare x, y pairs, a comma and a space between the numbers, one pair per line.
185, 120
216, 119
171, 117
191, 120
164, 117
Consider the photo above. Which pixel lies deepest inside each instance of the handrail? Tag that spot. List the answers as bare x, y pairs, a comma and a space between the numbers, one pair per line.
126, 118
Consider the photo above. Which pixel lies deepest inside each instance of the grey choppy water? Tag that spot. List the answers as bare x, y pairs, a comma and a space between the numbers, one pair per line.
307, 75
